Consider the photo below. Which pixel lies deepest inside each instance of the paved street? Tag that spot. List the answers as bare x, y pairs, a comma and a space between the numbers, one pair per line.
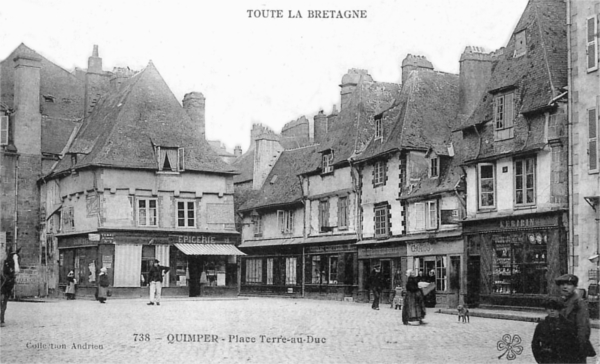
247, 331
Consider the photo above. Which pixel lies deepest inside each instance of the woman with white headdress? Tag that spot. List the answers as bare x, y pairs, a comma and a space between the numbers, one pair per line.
70, 290
413, 310
103, 285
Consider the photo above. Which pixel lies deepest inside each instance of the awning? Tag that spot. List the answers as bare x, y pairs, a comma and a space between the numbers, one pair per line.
271, 242
208, 249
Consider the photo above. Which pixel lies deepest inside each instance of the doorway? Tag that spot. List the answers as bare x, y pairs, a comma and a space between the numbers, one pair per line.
473, 280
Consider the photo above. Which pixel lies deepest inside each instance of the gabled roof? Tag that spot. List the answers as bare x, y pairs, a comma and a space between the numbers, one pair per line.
125, 126
541, 72
282, 186
421, 118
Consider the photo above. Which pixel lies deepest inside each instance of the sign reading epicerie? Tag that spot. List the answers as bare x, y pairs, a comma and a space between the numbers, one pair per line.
309, 14
200, 239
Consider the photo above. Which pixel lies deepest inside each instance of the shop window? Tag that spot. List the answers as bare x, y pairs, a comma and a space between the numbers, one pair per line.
324, 216
503, 116
290, 270
592, 43
426, 215
520, 263
270, 271
148, 255
258, 225
147, 212
381, 220
170, 159
254, 271
68, 218
286, 221
324, 269
342, 213
525, 181
441, 267
333, 270
486, 184
186, 214
379, 173
593, 148
317, 275
437, 263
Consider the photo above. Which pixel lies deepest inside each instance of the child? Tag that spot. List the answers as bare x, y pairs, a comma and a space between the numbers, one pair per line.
70, 290
555, 338
398, 298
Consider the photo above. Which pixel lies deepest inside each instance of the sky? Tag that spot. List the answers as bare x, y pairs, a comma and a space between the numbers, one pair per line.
269, 70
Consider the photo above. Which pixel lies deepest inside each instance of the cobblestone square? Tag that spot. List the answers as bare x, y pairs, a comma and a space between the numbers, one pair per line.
253, 330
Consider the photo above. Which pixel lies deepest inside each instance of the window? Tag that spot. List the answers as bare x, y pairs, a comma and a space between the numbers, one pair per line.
324, 269
486, 186
68, 218
434, 170
170, 159
426, 215
269, 270
290, 270
333, 270
324, 216
148, 255
186, 214
286, 221
258, 225
504, 116
520, 44
328, 162
437, 263
592, 43
3, 130
593, 140
342, 212
378, 128
381, 220
147, 212
379, 173
254, 271
525, 181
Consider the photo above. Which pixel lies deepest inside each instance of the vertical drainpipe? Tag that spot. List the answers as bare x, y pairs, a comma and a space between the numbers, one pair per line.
570, 246
16, 217
303, 269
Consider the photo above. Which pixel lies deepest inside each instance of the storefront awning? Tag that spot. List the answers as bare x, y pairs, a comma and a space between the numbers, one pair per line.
439, 235
271, 242
208, 249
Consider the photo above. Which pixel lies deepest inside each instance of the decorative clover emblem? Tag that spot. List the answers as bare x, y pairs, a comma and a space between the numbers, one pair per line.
511, 346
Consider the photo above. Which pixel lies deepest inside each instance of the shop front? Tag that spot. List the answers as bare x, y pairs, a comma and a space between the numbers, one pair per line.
390, 255
513, 261
200, 264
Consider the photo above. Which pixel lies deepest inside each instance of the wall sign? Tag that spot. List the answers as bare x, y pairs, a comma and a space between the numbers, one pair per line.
330, 248
420, 247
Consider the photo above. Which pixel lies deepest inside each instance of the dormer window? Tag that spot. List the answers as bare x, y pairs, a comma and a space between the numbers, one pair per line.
378, 128
434, 167
327, 162
170, 159
520, 44
3, 130
504, 116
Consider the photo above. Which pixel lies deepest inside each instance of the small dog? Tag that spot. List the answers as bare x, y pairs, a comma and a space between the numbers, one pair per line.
463, 312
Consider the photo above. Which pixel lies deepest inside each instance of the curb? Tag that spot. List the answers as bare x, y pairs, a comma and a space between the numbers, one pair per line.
506, 316
163, 299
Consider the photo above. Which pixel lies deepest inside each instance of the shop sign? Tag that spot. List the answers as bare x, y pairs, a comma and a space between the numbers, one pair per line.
194, 239
94, 237
107, 238
386, 251
329, 248
420, 247
511, 223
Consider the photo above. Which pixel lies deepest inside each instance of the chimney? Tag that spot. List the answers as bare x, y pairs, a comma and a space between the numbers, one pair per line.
332, 118
120, 74
475, 72
414, 63
96, 82
349, 82
27, 135
193, 103
321, 127
237, 151
95, 62
266, 153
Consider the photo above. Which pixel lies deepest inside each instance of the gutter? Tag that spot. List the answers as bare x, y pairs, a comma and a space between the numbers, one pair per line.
570, 245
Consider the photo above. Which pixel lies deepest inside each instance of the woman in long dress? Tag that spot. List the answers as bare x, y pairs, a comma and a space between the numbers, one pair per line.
413, 310
70, 290
102, 285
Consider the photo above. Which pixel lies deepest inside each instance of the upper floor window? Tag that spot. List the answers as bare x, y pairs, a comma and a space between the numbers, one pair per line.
68, 218
327, 162
379, 173
3, 130
525, 181
381, 220
324, 216
186, 214
434, 167
342, 212
147, 212
427, 215
258, 225
520, 44
286, 221
378, 127
486, 184
592, 43
504, 116
593, 154
170, 159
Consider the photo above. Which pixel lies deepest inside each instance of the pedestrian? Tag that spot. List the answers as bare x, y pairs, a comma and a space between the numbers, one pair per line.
555, 338
375, 285
413, 311
103, 285
576, 311
155, 277
70, 290
430, 298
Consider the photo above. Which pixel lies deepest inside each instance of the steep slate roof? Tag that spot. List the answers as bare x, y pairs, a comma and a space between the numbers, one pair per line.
541, 72
282, 186
245, 166
421, 118
125, 126
59, 118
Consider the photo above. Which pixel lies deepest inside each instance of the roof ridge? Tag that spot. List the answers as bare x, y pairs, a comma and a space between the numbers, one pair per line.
303, 147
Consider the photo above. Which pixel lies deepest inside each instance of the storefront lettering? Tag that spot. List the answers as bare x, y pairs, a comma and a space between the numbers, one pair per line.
330, 248
202, 239
420, 247
382, 251
510, 223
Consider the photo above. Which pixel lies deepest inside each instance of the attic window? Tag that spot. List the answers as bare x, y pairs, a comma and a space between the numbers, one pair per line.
327, 162
378, 128
434, 167
504, 116
3, 130
170, 159
520, 44
48, 98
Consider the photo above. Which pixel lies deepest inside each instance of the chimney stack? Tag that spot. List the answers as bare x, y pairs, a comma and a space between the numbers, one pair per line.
27, 134
475, 72
414, 63
237, 151
320, 126
193, 104
349, 82
96, 82
266, 153
95, 62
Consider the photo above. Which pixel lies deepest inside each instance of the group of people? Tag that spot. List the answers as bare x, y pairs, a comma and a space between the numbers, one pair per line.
155, 278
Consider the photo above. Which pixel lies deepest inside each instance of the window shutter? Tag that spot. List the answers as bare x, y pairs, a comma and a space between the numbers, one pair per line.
3, 130
495, 110
340, 206
327, 213
593, 140
508, 110
592, 49
280, 220
181, 155
420, 216
432, 217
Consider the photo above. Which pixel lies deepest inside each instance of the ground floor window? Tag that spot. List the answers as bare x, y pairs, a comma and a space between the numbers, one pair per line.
270, 271
330, 268
290, 270
254, 271
436, 263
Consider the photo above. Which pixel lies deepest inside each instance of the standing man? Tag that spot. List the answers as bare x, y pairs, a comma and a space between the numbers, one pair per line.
576, 312
375, 285
155, 277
